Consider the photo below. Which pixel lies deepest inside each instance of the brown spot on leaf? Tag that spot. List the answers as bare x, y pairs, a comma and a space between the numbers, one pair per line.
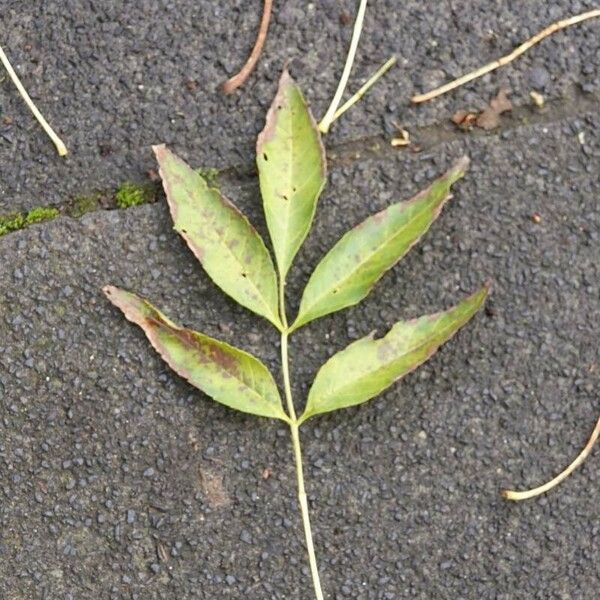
222, 358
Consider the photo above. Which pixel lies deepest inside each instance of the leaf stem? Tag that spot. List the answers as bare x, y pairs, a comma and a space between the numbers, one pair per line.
286, 375
329, 117
60, 146
312, 559
524, 495
383, 69
496, 64
295, 431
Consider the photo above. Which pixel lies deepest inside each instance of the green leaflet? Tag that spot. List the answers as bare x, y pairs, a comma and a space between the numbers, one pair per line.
292, 170
368, 366
226, 374
229, 248
351, 268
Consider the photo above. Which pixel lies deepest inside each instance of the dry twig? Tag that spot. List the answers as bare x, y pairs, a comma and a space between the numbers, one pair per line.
512, 495
237, 80
538, 37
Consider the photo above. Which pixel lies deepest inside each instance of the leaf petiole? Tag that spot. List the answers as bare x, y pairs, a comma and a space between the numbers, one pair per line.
294, 430
312, 559
542, 489
364, 88
60, 146
329, 117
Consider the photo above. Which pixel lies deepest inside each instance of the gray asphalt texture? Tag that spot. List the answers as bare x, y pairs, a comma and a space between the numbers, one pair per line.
119, 480
113, 79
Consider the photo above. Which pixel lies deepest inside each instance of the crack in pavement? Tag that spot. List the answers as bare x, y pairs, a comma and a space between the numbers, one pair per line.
574, 102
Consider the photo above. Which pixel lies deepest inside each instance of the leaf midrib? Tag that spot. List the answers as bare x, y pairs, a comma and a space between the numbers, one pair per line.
288, 204
253, 233
375, 372
368, 257
178, 331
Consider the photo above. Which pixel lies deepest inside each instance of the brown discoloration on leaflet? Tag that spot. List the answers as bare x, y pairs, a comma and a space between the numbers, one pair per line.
368, 366
380, 238
197, 250
220, 236
155, 325
431, 346
286, 86
218, 356
268, 132
227, 374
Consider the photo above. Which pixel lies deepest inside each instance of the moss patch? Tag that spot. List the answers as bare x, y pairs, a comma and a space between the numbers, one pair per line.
16, 221
210, 175
84, 204
130, 194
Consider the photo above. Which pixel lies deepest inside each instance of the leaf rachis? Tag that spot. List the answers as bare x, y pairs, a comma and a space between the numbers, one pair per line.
292, 170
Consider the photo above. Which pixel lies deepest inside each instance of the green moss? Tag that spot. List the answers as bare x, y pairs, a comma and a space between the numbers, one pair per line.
210, 175
11, 222
16, 221
131, 194
84, 204
40, 214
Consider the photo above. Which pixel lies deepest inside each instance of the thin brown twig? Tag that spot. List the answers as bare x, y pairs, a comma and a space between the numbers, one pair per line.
538, 37
512, 495
236, 81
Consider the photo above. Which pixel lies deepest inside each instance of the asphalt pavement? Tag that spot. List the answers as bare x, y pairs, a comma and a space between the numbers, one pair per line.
118, 480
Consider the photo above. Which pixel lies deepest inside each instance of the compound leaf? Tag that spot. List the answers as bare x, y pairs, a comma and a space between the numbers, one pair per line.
229, 248
368, 366
226, 374
351, 268
292, 171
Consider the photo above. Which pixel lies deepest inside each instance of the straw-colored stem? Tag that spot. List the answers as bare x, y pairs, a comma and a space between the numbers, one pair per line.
383, 69
512, 495
328, 119
295, 433
538, 37
60, 146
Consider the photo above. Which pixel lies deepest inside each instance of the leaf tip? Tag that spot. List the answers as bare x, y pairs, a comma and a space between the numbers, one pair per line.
480, 296
462, 164
109, 290
159, 149
116, 296
459, 168
285, 78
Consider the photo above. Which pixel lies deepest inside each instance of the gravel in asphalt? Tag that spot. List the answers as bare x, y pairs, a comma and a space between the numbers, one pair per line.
120, 481
114, 78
